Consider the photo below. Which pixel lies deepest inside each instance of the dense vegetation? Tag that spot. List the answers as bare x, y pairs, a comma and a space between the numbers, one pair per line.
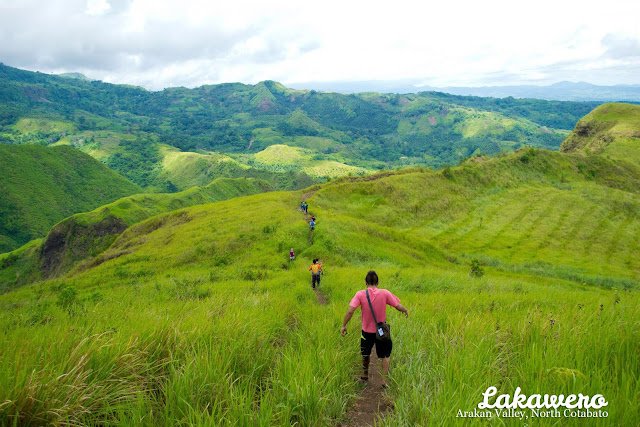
129, 128
519, 270
40, 186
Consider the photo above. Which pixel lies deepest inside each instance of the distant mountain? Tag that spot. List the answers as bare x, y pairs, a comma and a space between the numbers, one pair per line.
39, 186
562, 91
565, 91
176, 138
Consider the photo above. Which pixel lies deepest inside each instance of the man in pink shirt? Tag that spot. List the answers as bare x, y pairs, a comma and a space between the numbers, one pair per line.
380, 298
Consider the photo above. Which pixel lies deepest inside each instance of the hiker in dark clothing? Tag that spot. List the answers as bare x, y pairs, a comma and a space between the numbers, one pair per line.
376, 300
312, 225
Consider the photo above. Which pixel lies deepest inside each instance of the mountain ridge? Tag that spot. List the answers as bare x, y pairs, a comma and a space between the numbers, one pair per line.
126, 127
558, 91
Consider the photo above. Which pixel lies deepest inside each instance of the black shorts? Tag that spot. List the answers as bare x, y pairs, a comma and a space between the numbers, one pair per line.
368, 339
315, 279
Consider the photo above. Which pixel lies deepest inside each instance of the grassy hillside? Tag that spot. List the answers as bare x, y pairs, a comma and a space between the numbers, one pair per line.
184, 169
129, 128
612, 130
282, 158
40, 186
196, 316
83, 236
534, 211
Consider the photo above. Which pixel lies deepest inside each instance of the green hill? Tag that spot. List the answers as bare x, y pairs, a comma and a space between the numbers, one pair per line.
518, 270
40, 186
201, 306
84, 236
129, 128
612, 130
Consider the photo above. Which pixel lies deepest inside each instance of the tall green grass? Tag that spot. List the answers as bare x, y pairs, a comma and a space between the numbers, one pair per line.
197, 317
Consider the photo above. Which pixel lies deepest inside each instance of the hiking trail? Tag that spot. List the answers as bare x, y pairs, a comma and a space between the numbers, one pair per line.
307, 215
321, 297
308, 194
371, 403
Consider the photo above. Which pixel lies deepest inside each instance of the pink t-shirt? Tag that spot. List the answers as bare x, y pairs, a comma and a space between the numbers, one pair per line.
379, 299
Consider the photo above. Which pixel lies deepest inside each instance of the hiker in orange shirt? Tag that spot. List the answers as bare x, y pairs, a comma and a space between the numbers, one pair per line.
316, 271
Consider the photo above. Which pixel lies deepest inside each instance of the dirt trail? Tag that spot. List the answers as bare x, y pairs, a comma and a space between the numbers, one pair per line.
371, 403
308, 194
322, 298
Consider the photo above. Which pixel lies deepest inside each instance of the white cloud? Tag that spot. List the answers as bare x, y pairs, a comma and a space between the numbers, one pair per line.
97, 7
158, 43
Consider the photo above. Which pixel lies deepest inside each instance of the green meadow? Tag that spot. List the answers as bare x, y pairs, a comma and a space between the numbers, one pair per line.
196, 316
41, 186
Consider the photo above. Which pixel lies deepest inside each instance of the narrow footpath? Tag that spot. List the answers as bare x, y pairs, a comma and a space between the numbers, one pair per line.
371, 403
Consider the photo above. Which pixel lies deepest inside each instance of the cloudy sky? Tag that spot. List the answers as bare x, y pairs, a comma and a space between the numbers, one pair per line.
161, 43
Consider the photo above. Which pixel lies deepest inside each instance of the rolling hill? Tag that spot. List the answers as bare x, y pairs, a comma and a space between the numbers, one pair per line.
84, 236
136, 132
41, 185
612, 130
196, 315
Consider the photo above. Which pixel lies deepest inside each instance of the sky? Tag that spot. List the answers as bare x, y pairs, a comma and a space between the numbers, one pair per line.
163, 43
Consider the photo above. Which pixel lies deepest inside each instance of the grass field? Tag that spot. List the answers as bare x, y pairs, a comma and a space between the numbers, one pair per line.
84, 236
186, 169
196, 316
282, 158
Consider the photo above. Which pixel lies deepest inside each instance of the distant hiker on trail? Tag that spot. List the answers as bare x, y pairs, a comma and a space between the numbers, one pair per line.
316, 271
373, 302
304, 206
313, 218
292, 255
312, 225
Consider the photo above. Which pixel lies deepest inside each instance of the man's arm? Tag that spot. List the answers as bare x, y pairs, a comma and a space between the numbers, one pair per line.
402, 309
347, 317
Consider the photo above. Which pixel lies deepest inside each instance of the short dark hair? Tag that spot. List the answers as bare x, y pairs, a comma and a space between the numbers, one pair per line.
372, 278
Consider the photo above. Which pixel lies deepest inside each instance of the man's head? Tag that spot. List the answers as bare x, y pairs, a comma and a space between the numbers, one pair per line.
315, 260
371, 279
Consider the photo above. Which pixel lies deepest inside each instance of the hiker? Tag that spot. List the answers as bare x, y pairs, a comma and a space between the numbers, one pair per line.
316, 271
313, 218
305, 208
292, 255
312, 225
373, 303
302, 206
